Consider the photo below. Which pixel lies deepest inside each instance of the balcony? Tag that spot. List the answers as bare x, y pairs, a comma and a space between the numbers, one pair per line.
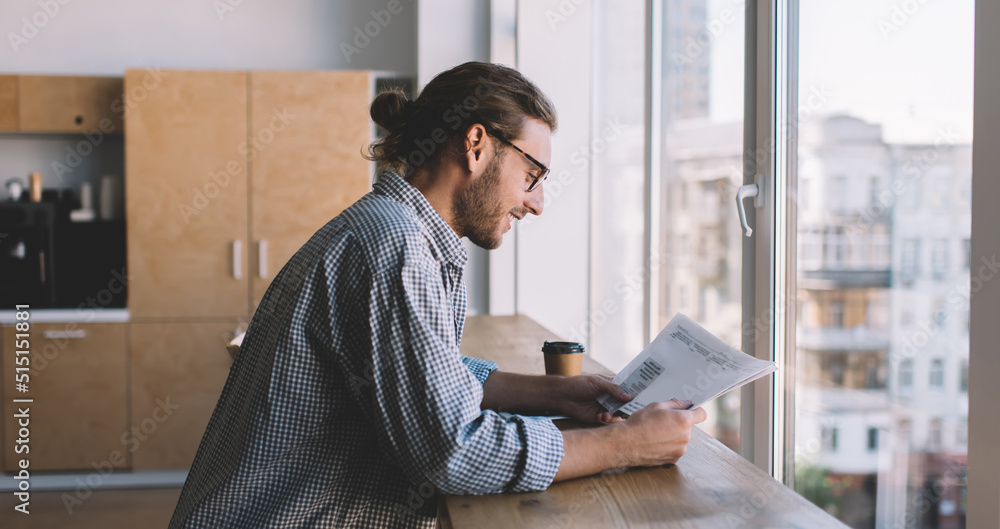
826, 279
858, 338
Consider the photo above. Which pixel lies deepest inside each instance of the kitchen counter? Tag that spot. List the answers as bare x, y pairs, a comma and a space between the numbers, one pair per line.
711, 486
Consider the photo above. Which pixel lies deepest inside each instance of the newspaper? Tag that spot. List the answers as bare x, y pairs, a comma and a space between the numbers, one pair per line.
686, 362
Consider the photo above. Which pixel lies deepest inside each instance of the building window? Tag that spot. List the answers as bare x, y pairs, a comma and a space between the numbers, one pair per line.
837, 314
967, 252
906, 374
934, 433
936, 379
962, 432
872, 439
939, 259
829, 438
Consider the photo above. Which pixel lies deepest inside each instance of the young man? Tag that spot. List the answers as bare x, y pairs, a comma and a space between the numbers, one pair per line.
349, 403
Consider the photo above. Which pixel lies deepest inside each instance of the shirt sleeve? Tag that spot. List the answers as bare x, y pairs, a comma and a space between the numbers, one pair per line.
425, 397
480, 368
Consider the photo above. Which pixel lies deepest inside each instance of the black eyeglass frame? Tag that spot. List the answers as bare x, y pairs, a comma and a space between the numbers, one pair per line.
545, 170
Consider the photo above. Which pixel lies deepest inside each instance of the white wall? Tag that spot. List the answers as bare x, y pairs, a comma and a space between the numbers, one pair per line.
104, 37
451, 32
553, 249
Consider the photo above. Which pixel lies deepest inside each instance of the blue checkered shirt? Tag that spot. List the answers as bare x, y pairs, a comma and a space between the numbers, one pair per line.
349, 404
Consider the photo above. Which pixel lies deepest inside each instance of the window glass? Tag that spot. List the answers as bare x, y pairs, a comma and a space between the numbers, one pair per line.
615, 157
702, 148
886, 147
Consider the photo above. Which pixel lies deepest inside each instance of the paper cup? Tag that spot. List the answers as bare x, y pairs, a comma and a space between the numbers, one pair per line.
563, 358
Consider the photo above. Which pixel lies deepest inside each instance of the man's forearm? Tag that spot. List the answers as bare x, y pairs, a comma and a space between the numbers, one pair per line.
513, 392
591, 451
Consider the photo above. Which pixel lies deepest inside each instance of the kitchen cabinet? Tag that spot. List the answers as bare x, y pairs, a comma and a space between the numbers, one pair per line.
186, 196
177, 374
310, 128
68, 104
8, 103
77, 382
209, 189
227, 175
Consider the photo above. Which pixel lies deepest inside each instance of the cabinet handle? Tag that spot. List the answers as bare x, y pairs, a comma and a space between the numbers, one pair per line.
262, 259
55, 335
237, 259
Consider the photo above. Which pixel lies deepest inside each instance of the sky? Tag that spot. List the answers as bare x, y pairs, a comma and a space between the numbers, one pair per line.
907, 64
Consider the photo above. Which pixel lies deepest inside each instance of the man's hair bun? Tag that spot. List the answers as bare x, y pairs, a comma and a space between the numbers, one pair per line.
390, 110
433, 125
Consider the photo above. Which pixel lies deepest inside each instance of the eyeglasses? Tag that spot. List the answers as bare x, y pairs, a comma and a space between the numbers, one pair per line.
537, 179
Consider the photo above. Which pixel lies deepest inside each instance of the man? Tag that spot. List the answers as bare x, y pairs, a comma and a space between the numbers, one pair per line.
349, 403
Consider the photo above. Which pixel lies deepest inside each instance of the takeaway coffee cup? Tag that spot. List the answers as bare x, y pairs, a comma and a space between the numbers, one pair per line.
563, 358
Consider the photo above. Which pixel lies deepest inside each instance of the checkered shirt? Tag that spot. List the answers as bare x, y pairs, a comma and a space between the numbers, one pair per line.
349, 404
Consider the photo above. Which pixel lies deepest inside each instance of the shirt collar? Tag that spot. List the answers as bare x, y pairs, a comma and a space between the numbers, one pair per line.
392, 185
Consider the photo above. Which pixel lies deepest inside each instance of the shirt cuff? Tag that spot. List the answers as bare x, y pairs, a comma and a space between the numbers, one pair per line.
480, 368
543, 454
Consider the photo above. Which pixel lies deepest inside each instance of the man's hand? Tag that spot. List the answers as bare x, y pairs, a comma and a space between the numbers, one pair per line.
577, 398
655, 435
659, 433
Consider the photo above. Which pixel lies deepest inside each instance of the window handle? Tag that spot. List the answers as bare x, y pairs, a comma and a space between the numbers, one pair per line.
755, 190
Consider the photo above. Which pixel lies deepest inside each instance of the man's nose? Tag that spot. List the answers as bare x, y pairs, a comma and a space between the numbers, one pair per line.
535, 200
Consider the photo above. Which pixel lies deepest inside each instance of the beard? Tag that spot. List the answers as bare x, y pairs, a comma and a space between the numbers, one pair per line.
479, 210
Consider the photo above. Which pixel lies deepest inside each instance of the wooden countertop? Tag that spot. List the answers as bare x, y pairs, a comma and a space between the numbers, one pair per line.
711, 486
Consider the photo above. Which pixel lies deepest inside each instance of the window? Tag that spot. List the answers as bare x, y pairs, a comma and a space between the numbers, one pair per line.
939, 259
700, 131
861, 142
909, 264
836, 314
934, 431
829, 438
857, 141
872, 439
906, 374
936, 377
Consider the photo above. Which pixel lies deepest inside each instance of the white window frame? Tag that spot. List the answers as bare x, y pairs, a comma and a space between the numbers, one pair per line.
769, 256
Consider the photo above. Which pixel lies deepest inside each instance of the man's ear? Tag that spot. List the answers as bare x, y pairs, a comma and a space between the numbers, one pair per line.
475, 146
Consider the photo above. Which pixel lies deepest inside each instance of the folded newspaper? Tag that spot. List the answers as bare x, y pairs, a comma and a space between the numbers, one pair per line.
685, 362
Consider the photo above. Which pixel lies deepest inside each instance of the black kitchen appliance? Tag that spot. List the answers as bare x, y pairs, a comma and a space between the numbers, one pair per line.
27, 247
46, 261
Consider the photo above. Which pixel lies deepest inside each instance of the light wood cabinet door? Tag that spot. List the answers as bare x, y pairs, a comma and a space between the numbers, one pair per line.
186, 194
8, 103
77, 382
308, 132
53, 103
177, 374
